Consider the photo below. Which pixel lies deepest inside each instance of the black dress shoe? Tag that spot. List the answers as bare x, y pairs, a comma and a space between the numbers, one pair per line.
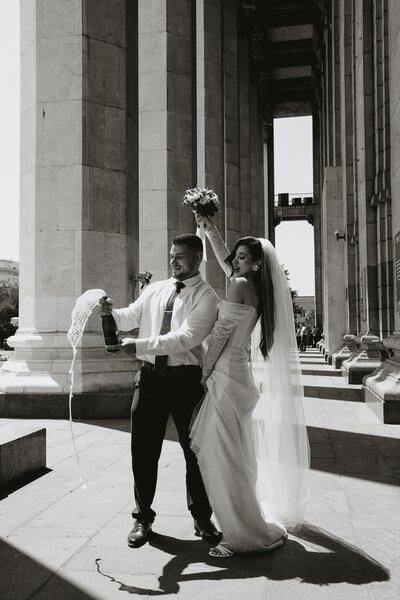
206, 529
139, 534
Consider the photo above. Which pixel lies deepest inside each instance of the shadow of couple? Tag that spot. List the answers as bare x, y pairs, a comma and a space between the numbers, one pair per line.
312, 555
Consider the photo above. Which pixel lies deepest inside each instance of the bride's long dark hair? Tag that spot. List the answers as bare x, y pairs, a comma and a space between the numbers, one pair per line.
265, 289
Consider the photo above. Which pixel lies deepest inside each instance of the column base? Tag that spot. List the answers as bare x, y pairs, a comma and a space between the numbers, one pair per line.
362, 361
382, 387
343, 353
41, 363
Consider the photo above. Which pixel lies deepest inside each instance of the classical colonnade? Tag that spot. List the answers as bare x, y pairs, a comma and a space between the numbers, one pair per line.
126, 104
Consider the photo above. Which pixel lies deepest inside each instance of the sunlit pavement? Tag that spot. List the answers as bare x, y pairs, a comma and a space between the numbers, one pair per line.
61, 541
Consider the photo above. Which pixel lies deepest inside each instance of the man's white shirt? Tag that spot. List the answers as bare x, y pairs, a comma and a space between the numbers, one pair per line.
194, 314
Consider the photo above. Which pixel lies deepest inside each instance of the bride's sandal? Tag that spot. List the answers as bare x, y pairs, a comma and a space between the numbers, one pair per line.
223, 550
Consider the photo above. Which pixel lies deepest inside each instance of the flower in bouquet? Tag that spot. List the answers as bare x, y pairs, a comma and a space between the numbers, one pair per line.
202, 201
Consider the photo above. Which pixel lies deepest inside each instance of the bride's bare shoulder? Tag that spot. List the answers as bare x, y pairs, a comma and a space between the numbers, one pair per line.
241, 290
238, 290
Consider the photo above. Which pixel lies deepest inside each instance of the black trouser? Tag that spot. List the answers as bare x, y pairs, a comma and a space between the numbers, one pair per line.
160, 396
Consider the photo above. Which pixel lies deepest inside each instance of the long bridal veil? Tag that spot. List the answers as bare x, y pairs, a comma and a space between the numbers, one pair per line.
281, 440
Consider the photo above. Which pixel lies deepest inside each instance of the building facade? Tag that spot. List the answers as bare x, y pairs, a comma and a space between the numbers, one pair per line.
126, 104
9, 273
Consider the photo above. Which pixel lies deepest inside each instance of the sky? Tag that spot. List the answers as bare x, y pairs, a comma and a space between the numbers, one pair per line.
293, 165
9, 129
294, 240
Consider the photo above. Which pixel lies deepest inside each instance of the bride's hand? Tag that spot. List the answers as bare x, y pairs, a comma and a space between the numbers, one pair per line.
206, 221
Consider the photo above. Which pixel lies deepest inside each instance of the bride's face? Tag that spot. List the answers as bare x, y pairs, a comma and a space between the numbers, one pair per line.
243, 262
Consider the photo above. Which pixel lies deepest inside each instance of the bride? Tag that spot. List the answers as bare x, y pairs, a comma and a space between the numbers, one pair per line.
249, 434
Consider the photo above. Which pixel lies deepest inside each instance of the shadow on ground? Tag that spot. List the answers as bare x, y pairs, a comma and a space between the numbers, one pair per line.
23, 577
332, 393
325, 560
320, 372
22, 482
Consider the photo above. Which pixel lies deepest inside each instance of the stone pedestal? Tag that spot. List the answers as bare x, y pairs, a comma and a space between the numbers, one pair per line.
362, 361
341, 354
344, 351
382, 387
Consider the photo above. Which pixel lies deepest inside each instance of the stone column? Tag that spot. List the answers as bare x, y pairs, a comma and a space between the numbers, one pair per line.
231, 120
167, 132
382, 388
210, 127
74, 205
257, 175
244, 136
333, 267
269, 174
347, 130
367, 358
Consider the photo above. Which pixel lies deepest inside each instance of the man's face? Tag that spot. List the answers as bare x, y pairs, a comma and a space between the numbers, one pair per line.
184, 262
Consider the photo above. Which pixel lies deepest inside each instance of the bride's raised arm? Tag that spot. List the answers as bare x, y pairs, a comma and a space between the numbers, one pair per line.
217, 244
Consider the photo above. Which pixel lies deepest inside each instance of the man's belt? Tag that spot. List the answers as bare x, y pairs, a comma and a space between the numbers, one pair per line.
178, 371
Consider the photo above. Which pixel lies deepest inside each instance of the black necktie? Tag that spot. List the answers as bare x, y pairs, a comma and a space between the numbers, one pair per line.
160, 365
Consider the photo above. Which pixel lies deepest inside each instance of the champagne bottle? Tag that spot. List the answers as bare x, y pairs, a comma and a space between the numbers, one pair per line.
110, 333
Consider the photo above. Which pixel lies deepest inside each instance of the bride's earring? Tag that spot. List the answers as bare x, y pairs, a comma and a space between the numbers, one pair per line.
255, 267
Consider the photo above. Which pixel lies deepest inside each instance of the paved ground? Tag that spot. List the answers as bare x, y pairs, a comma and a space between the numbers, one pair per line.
59, 541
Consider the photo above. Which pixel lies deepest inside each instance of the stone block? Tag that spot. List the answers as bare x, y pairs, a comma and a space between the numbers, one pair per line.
104, 190
153, 208
54, 273
179, 18
153, 169
46, 313
153, 129
179, 171
28, 139
212, 104
28, 78
115, 139
59, 69
93, 134
152, 91
152, 53
115, 273
31, 18
104, 66
60, 140
179, 132
179, 93
21, 455
47, 217
60, 18
105, 21
70, 197
179, 58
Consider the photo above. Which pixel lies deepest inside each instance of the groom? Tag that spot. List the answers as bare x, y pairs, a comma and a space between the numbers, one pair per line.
174, 316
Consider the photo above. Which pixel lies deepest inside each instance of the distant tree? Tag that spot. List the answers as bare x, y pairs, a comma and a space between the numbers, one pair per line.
8, 309
294, 294
310, 318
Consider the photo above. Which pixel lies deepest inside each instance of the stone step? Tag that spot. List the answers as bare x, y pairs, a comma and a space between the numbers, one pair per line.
22, 453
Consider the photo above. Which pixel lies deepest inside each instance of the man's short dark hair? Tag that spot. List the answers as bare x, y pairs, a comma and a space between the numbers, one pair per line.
193, 242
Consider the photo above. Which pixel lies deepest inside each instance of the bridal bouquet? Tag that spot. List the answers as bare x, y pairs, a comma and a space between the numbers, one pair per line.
202, 201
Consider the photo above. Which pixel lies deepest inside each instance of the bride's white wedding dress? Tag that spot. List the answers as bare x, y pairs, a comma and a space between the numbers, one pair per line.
222, 434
